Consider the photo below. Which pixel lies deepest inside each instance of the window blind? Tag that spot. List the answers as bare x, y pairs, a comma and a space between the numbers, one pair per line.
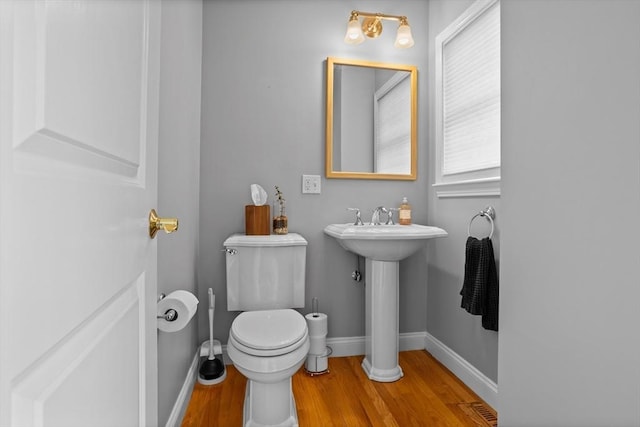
393, 133
471, 95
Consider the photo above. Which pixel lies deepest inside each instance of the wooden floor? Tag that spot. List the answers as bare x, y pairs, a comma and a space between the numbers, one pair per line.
427, 395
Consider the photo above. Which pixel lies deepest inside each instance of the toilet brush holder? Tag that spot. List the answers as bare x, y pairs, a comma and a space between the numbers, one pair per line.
220, 372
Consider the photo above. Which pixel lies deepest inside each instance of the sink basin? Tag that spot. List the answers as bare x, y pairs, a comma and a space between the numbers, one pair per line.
383, 242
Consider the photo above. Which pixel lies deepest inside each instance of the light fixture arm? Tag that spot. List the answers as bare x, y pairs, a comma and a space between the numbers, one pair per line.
356, 13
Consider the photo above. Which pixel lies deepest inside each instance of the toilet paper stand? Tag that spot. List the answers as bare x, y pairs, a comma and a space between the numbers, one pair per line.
318, 364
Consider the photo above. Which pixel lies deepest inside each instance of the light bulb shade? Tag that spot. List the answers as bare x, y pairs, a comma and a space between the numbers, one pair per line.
404, 40
354, 32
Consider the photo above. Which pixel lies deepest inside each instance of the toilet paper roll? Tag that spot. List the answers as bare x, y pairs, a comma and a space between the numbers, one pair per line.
317, 324
317, 344
316, 363
184, 303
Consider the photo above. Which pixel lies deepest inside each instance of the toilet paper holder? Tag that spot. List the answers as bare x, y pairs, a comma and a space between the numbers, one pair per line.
169, 315
317, 364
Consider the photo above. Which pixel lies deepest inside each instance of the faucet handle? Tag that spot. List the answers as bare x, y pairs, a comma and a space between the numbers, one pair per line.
358, 218
375, 218
390, 215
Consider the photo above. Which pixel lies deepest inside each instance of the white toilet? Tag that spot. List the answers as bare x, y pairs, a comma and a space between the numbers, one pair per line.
269, 341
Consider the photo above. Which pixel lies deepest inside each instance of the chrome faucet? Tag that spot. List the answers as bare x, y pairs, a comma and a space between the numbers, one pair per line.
375, 218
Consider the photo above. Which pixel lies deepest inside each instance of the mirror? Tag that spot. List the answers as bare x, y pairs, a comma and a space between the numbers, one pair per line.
371, 129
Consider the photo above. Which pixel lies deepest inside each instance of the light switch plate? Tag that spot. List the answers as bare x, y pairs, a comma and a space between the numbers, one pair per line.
310, 184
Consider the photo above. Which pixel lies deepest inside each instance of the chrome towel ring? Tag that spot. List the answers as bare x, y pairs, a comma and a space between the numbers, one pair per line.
490, 213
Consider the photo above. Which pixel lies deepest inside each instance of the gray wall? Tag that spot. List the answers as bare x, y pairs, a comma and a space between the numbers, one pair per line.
263, 121
569, 343
446, 321
178, 183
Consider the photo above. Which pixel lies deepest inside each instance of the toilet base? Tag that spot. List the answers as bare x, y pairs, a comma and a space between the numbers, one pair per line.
269, 404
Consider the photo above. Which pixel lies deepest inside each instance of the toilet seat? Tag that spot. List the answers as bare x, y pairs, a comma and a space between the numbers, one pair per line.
269, 332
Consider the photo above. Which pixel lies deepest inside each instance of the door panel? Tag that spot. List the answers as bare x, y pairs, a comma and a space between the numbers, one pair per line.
82, 67
78, 161
47, 393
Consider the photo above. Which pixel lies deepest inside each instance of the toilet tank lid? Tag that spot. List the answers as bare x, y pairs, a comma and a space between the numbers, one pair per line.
290, 239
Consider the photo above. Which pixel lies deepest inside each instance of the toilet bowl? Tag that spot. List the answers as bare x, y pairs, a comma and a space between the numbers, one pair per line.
268, 347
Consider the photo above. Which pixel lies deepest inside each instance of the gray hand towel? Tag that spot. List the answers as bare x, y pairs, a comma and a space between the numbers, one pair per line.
480, 287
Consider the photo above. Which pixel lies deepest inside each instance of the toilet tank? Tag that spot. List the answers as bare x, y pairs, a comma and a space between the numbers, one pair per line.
265, 272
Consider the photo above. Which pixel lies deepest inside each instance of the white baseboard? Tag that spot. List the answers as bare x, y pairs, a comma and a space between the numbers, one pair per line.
182, 401
468, 374
412, 341
346, 346
355, 346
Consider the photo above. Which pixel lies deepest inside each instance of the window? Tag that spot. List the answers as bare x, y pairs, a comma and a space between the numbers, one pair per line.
392, 119
468, 103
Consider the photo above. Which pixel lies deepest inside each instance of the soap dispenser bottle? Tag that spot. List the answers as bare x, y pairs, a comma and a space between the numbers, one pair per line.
404, 215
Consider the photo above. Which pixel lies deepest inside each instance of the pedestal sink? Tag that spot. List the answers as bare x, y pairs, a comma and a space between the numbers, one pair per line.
383, 247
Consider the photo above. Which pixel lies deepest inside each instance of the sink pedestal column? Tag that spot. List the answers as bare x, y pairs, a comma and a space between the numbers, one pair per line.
381, 321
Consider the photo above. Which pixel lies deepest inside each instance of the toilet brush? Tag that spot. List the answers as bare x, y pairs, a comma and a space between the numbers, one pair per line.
212, 369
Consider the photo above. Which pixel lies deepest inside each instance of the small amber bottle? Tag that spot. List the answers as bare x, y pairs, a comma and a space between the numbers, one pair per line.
404, 215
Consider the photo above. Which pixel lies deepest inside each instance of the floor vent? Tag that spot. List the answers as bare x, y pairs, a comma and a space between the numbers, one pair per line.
482, 414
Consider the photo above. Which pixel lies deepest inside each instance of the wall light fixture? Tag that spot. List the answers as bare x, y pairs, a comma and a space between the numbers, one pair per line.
372, 28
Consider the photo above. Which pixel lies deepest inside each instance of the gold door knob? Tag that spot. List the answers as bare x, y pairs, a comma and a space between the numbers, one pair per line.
169, 225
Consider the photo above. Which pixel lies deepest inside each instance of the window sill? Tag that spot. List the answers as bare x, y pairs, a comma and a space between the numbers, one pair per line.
486, 187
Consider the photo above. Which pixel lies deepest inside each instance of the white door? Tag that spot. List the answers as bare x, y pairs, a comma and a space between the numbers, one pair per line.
78, 160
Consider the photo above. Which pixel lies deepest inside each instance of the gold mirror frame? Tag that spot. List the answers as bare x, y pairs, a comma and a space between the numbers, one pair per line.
330, 172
